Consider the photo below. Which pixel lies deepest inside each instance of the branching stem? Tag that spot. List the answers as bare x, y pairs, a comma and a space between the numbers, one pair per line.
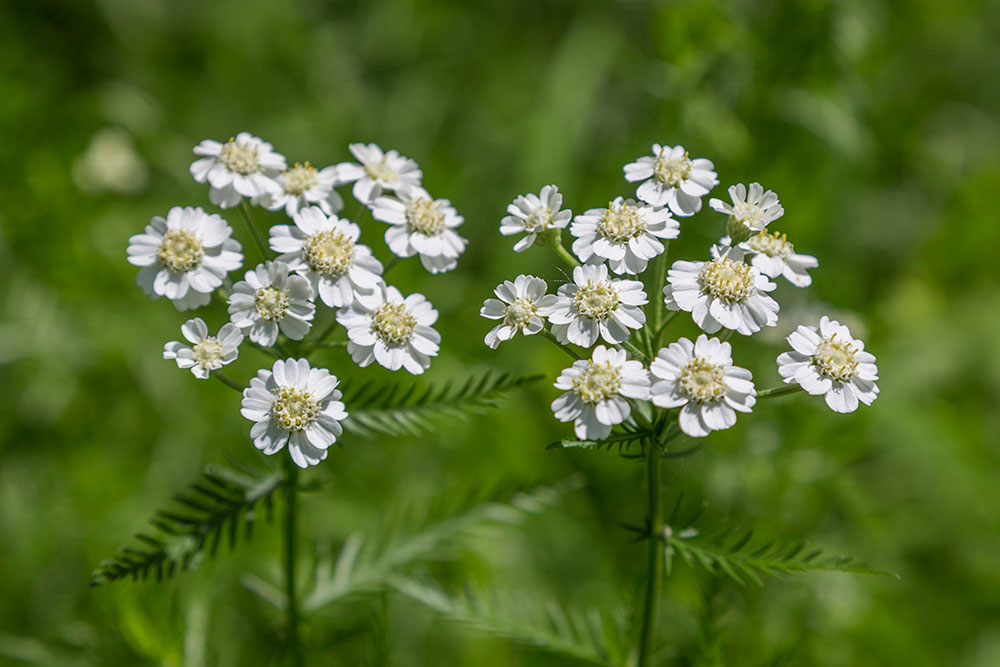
258, 239
654, 562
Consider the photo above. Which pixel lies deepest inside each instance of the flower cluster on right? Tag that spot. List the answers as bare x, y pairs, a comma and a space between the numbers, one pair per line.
606, 303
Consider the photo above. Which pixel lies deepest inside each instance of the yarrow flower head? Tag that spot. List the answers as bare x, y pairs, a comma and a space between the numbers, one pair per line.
326, 251
720, 293
595, 306
269, 299
517, 304
395, 332
700, 376
206, 353
831, 362
752, 210
244, 166
184, 256
625, 233
302, 186
420, 224
378, 172
671, 178
535, 215
294, 404
597, 390
772, 254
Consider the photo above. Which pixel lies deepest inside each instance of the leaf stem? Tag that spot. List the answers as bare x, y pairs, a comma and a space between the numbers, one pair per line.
291, 506
258, 239
783, 390
555, 341
654, 567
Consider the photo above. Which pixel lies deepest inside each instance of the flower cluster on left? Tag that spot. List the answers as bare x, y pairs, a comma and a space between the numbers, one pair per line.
314, 260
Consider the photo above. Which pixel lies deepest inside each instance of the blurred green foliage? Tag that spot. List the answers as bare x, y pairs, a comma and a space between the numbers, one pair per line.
875, 121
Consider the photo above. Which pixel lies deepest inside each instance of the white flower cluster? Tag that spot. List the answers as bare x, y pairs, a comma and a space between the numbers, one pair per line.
188, 255
626, 377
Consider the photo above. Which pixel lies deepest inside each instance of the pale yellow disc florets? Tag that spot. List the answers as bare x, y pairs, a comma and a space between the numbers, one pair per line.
329, 253
598, 382
271, 303
239, 157
293, 409
772, 245
393, 323
621, 223
180, 251
300, 178
520, 312
835, 358
672, 171
424, 217
539, 219
596, 300
728, 280
208, 353
380, 171
749, 215
703, 380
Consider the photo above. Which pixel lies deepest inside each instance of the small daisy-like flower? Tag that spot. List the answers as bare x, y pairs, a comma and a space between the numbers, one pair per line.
624, 233
395, 332
326, 251
303, 186
773, 255
535, 214
378, 172
671, 178
831, 362
295, 404
594, 306
268, 299
722, 292
597, 390
419, 224
244, 166
518, 306
751, 211
700, 376
206, 353
185, 256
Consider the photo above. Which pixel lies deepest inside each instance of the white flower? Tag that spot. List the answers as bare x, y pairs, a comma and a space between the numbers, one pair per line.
326, 251
395, 332
518, 306
419, 224
752, 210
268, 298
244, 166
303, 186
830, 361
296, 404
671, 178
701, 377
378, 171
535, 214
624, 233
185, 256
722, 292
773, 255
206, 353
594, 305
597, 389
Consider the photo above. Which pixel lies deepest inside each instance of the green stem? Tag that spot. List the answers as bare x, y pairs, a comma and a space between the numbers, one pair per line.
329, 343
254, 232
393, 261
565, 256
547, 335
291, 505
663, 326
654, 560
228, 381
783, 390
726, 335
639, 354
655, 288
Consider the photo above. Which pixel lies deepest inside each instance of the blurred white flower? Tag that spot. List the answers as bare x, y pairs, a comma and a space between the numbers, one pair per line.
421, 225
831, 362
518, 305
185, 256
395, 332
295, 404
624, 233
269, 299
671, 178
700, 376
303, 186
535, 214
110, 163
595, 306
326, 251
751, 211
244, 166
206, 353
597, 390
378, 172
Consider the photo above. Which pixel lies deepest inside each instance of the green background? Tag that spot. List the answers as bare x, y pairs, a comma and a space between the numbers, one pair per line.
876, 122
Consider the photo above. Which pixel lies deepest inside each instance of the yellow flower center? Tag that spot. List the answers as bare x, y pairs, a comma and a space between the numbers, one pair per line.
180, 251
597, 382
702, 380
539, 219
772, 245
239, 157
208, 352
621, 223
380, 171
294, 410
835, 358
271, 303
300, 178
672, 171
596, 300
727, 280
519, 313
393, 323
424, 217
329, 253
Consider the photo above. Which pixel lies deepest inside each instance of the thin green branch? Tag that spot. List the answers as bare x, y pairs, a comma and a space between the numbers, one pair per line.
654, 556
783, 390
290, 543
258, 239
655, 288
547, 335
228, 381
565, 255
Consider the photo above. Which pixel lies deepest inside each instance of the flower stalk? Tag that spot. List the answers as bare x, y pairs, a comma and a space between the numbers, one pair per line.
654, 555
290, 544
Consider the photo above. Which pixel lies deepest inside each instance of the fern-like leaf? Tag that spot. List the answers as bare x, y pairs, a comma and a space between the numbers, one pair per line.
221, 504
590, 636
390, 409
